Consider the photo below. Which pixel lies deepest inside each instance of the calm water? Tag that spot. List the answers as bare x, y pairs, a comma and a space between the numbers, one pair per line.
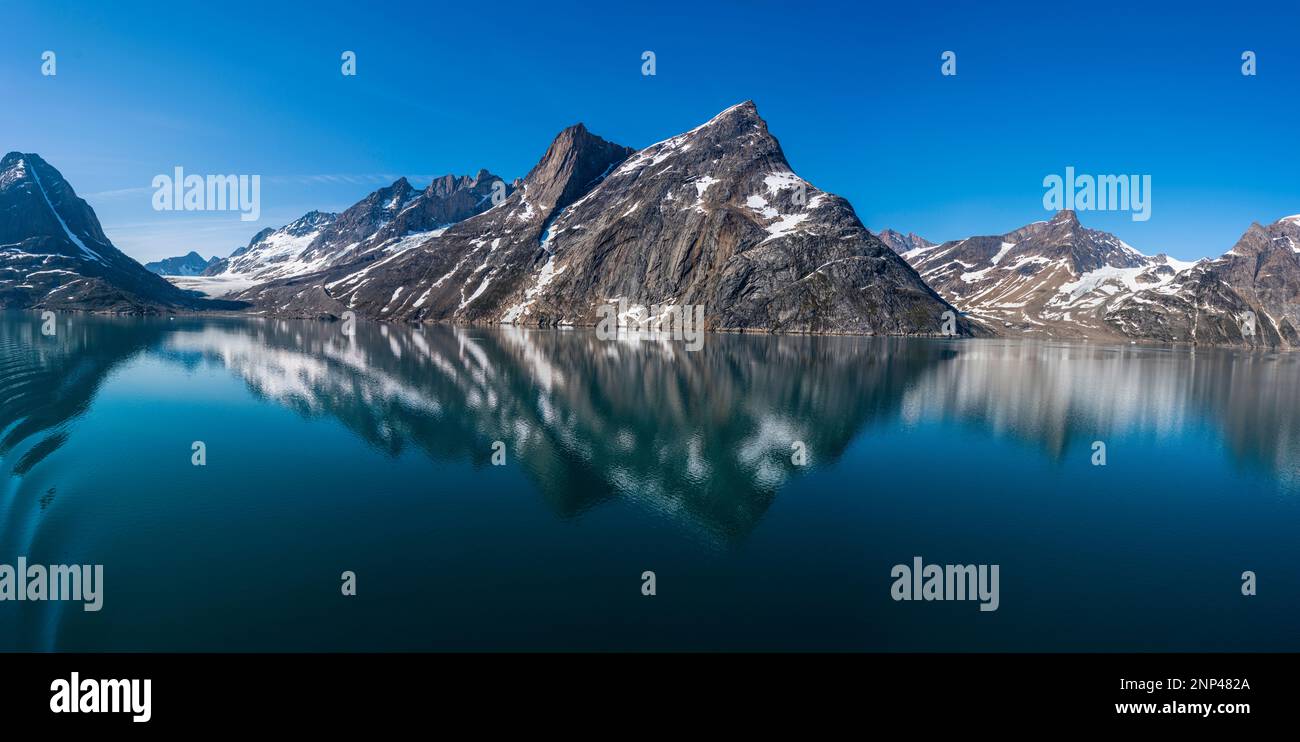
373, 454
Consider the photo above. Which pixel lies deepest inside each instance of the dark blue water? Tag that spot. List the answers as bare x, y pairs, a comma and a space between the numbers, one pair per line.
373, 454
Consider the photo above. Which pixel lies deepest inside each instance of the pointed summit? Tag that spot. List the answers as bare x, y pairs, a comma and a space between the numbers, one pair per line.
903, 243
1065, 216
742, 113
572, 164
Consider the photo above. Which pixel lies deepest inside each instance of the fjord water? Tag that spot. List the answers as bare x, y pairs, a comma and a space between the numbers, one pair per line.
373, 454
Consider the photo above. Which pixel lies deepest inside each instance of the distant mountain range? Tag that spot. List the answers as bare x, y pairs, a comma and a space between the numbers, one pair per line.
713, 217
190, 264
390, 220
1058, 279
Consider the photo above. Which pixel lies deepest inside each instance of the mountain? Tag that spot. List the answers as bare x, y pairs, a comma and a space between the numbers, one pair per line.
712, 217
1207, 304
55, 255
1048, 279
191, 264
389, 220
1059, 279
901, 243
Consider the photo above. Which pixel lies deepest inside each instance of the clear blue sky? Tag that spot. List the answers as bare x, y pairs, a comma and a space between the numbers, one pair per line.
853, 93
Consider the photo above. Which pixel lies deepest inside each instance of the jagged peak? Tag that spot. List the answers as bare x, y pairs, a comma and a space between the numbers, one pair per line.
445, 185
1065, 216
309, 222
314, 216
1259, 240
901, 243
15, 158
399, 187
574, 161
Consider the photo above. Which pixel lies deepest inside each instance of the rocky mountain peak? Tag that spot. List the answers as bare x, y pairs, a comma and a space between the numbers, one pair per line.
444, 186
57, 254
42, 202
18, 166
389, 198
903, 243
573, 163
738, 117
312, 221
13, 170
1065, 216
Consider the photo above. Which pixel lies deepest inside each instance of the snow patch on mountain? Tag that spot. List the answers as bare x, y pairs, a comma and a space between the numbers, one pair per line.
75, 239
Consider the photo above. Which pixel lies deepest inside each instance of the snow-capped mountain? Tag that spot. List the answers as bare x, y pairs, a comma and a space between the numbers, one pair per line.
1053, 278
190, 264
391, 219
1248, 296
54, 254
712, 217
1059, 279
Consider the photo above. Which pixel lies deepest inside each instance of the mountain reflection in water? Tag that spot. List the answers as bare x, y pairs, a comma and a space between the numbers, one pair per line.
699, 442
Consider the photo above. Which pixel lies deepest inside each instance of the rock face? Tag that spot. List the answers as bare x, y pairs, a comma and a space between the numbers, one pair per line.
54, 254
1048, 279
389, 220
713, 217
190, 264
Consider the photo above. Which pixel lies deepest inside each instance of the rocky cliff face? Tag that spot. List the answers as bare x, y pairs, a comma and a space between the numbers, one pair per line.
714, 217
55, 255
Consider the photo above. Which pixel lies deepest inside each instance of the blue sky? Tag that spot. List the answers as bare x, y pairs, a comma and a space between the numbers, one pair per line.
853, 93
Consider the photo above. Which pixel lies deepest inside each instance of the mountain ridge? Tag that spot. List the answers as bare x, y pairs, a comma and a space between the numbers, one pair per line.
712, 217
189, 264
1058, 279
383, 220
